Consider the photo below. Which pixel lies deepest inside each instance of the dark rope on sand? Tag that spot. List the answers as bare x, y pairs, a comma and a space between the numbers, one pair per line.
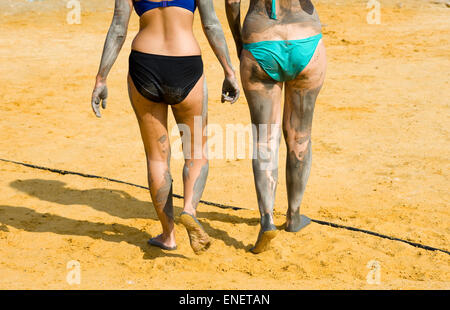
414, 244
222, 206
92, 176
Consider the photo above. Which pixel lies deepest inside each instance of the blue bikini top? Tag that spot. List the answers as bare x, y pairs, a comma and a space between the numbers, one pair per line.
143, 6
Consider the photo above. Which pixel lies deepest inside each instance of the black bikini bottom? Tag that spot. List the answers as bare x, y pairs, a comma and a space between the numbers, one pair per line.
167, 79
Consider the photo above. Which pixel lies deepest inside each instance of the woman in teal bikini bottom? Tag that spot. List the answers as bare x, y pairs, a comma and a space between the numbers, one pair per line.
284, 60
276, 51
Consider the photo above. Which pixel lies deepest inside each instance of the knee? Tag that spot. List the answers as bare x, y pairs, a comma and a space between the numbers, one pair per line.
158, 170
159, 161
266, 145
298, 144
158, 153
265, 157
264, 152
190, 166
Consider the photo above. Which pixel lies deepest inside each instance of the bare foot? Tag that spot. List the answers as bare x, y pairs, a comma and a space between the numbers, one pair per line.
263, 242
297, 222
159, 241
198, 238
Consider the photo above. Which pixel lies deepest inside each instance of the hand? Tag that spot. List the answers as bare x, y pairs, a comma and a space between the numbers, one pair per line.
230, 89
100, 94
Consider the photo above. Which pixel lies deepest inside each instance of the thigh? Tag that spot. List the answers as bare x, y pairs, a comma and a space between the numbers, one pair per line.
313, 74
152, 119
193, 113
262, 92
301, 93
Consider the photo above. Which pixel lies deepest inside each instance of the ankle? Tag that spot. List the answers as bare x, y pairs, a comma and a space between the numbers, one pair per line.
267, 222
292, 213
189, 210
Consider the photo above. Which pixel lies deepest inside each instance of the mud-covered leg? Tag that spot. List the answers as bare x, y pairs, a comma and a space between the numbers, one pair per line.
191, 116
265, 172
300, 99
299, 109
152, 118
160, 181
263, 95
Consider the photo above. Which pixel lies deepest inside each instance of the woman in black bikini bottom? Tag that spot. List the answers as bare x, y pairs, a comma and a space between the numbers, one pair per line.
165, 68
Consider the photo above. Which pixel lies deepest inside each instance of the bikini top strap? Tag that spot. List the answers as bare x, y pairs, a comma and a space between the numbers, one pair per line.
273, 14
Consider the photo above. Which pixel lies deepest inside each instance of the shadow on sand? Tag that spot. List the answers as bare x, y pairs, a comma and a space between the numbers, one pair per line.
117, 203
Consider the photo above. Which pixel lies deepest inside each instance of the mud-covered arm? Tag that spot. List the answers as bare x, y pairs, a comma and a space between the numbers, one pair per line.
216, 38
113, 44
233, 9
214, 33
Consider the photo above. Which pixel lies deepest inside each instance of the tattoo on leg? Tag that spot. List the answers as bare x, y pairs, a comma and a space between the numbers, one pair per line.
162, 139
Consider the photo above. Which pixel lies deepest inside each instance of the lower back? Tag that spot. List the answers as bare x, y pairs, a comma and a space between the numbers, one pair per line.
294, 20
166, 31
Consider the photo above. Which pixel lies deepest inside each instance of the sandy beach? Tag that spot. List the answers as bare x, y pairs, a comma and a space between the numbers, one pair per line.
381, 161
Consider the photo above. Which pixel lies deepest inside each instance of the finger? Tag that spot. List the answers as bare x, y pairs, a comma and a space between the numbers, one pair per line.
232, 97
104, 103
228, 98
236, 96
95, 107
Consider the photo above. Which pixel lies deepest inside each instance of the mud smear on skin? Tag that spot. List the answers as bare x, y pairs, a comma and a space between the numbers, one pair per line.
115, 37
162, 139
214, 33
306, 260
263, 112
233, 11
198, 238
266, 234
199, 185
266, 148
164, 197
205, 102
258, 21
258, 75
298, 167
297, 133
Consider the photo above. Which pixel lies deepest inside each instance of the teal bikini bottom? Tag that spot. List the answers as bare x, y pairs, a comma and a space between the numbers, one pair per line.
284, 60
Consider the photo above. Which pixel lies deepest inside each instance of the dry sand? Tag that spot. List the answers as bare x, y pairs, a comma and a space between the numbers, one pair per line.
381, 162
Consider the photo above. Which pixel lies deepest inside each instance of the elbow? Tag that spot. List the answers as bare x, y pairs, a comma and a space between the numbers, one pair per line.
119, 30
211, 27
119, 25
121, 36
